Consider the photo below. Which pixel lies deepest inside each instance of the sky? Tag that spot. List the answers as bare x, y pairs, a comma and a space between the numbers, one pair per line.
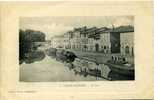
52, 26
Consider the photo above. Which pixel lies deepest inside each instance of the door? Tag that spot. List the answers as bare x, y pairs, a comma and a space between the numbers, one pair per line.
97, 47
115, 42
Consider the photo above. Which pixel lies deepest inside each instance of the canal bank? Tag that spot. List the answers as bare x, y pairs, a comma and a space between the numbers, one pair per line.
50, 70
121, 66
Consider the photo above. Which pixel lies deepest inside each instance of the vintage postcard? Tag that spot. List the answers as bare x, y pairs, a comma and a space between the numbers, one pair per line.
76, 50
83, 48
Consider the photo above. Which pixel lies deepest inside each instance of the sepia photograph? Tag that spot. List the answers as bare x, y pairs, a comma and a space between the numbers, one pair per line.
76, 48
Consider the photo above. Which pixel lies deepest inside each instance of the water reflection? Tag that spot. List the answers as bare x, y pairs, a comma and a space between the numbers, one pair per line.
79, 66
33, 57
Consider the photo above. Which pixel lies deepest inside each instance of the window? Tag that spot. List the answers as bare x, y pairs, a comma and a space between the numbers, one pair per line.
127, 49
84, 35
104, 47
124, 59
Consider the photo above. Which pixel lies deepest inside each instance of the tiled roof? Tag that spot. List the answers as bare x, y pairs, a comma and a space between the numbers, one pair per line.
97, 32
94, 32
93, 29
103, 29
120, 29
80, 29
123, 29
70, 31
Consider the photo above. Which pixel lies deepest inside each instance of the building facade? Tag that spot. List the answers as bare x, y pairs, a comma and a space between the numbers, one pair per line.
126, 38
127, 45
103, 40
57, 41
105, 44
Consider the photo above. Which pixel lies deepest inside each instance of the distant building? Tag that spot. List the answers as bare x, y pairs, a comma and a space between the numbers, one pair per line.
75, 40
66, 40
57, 41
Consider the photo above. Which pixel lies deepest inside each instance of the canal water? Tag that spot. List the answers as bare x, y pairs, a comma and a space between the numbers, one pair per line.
44, 68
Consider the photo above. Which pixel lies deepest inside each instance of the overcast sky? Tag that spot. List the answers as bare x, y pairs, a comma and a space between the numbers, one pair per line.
58, 25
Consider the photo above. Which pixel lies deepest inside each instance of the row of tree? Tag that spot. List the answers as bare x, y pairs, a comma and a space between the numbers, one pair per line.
26, 40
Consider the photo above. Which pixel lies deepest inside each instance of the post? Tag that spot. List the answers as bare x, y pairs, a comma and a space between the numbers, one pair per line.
97, 65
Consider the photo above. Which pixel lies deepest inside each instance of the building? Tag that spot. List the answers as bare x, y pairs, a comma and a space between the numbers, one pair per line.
57, 41
104, 40
99, 40
104, 43
123, 41
83, 39
91, 32
90, 45
116, 40
74, 40
79, 38
127, 40
66, 40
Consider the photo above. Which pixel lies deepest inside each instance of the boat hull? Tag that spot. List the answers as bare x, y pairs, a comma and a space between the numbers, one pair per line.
121, 70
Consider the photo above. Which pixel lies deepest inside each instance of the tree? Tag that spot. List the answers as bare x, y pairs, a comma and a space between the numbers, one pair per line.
26, 39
